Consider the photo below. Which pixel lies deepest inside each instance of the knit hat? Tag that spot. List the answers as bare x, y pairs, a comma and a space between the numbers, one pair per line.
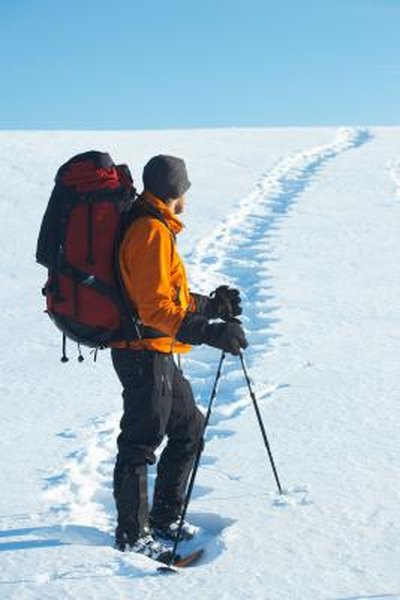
166, 177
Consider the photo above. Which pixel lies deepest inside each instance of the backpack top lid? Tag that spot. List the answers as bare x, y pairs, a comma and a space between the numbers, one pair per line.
91, 171
83, 176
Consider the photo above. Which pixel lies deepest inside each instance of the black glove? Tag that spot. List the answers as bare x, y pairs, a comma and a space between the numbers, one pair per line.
224, 303
226, 336
195, 329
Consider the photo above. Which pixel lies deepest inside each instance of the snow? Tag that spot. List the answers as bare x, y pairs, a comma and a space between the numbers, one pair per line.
306, 222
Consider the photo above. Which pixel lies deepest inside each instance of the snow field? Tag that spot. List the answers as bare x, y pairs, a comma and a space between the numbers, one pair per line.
314, 248
394, 172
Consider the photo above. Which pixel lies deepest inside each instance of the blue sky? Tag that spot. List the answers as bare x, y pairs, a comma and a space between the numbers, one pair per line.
128, 64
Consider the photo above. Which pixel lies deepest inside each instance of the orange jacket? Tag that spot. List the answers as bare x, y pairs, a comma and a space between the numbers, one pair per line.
155, 279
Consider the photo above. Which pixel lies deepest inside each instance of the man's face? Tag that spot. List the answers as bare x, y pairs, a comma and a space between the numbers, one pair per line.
179, 205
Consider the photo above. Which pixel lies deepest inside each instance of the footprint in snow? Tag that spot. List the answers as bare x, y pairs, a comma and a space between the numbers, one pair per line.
298, 495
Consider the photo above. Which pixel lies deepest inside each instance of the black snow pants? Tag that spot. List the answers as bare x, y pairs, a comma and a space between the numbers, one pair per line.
157, 401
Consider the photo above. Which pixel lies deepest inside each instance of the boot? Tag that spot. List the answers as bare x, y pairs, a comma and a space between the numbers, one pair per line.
132, 532
165, 517
173, 473
169, 531
147, 545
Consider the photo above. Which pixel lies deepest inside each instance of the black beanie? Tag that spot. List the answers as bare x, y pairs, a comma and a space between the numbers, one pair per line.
166, 177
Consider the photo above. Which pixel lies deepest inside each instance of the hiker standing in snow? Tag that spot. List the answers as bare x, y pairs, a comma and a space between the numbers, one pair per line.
158, 400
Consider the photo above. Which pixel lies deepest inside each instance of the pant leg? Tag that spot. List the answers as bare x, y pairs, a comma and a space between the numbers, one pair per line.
146, 378
185, 430
147, 401
131, 501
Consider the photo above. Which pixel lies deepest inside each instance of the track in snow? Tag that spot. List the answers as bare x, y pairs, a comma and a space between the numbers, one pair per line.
237, 253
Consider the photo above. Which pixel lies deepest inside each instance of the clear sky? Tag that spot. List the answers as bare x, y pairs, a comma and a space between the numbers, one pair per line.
151, 64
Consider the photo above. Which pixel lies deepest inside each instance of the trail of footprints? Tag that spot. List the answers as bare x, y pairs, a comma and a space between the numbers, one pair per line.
237, 253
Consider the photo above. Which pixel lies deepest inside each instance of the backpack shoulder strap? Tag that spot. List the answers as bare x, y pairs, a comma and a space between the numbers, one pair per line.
138, 208
141, 208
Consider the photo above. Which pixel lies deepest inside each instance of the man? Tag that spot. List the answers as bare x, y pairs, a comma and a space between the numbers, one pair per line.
158, 400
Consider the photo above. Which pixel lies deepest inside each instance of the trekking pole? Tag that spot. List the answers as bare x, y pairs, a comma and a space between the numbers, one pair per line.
197, 460
260, 422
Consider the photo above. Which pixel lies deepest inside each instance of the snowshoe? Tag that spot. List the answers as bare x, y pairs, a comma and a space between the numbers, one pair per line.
146, 545
169, 532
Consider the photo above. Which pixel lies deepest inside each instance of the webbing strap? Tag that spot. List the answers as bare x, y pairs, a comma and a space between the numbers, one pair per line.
91, 281
104, 289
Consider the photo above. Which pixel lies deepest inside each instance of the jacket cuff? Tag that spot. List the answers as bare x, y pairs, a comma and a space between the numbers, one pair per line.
203, 305
193, 329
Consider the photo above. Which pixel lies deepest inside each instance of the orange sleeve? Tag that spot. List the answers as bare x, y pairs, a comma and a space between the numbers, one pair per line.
145, 260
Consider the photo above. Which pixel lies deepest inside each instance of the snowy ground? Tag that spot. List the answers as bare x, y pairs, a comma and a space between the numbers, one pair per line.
307, 223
